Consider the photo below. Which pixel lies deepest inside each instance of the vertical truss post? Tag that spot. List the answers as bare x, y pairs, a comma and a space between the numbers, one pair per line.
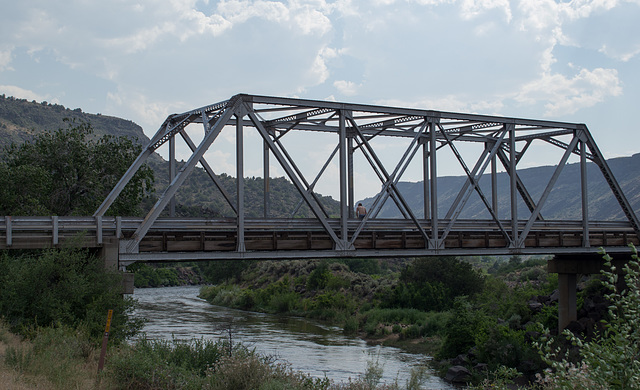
494, 186
55, 231
265, 168
433, 183
344, 206
352, 202
425, 178
7, 221
172, 173
511, 129
585, 196
240, 179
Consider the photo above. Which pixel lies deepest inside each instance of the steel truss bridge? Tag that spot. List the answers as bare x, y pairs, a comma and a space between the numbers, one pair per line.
355, 132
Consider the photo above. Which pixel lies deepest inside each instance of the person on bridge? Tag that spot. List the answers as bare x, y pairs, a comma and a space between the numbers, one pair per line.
361, 211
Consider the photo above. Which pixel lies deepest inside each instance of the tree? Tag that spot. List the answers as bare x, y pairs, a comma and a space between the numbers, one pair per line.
433, 283
70, 172
612, 359
63, 287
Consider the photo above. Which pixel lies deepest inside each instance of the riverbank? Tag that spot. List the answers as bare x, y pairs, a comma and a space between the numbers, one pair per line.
310, 346
62, 358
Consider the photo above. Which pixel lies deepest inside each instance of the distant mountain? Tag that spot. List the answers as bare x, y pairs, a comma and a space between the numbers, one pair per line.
564, 201
20, 120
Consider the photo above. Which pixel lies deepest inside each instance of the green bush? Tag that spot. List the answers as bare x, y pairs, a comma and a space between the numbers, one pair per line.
432, 284
461, 329
319, 277
283, 302
146, 275
609, 360
163, 364
199, 364
67, 287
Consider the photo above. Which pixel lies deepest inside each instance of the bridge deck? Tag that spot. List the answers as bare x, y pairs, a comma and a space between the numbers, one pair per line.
198, 239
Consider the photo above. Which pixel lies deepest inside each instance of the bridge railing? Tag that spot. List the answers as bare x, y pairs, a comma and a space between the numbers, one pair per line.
394, 236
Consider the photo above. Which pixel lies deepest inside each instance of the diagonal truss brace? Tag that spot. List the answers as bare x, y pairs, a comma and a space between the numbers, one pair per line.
311, 201
170, 191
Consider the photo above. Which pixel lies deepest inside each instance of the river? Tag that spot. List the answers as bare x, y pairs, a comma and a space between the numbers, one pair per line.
309, 346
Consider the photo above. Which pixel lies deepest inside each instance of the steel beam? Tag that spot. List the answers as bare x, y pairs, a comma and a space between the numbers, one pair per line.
355, 127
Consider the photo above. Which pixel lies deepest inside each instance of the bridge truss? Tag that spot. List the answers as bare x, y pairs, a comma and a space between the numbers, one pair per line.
360, 132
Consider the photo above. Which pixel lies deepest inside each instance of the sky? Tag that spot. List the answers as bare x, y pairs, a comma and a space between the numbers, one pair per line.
571, 61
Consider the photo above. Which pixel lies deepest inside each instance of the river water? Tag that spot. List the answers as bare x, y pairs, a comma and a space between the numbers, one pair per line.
309, 346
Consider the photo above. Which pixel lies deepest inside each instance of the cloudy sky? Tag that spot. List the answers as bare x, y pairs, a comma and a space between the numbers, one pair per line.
573, 61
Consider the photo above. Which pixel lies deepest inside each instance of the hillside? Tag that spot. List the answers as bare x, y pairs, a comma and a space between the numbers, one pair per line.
20, 120
564, 202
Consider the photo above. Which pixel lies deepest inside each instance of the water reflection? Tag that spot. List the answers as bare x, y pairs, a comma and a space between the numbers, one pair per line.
311, 347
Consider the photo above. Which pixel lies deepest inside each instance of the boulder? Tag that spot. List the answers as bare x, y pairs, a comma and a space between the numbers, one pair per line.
460, 360
458, 374
535, 306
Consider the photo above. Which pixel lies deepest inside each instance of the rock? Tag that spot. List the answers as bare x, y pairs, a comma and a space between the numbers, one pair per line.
535, 306
481, 367
575, 327
531, 336
458, 374
460, 360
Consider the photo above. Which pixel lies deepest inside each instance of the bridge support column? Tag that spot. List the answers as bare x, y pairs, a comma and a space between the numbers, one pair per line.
568, 267
110, 255
567, 303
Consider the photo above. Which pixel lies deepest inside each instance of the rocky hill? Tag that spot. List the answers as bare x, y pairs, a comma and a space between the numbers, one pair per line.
21, 119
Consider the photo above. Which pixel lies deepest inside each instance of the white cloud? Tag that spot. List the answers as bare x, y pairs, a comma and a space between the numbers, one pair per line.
565, 96
451, 103
140, 40
150, 114
237, 11
5, 60
348, 88
312, 21
319, 70
473, 8
624, 56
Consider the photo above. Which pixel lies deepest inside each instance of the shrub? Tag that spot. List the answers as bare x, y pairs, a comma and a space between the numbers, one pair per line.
319, 277
67, 287
610, 360
161, 364
461, 329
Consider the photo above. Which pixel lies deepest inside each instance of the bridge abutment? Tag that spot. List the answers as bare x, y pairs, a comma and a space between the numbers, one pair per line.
110, 254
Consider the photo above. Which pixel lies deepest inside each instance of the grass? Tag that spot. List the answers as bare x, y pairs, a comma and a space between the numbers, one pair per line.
53, 360
61, 358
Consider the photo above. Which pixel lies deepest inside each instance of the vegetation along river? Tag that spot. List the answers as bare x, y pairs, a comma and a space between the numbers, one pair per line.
309, 346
